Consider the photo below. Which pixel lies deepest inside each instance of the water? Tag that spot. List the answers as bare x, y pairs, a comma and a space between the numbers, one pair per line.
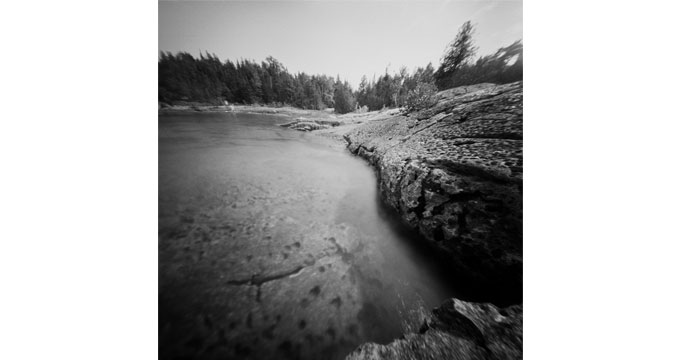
273, 244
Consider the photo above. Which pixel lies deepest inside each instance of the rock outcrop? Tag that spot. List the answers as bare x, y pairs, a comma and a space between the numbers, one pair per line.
457, 330
303, 124
454, 173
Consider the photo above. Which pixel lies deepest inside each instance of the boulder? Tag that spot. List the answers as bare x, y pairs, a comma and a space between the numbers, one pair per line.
457, 330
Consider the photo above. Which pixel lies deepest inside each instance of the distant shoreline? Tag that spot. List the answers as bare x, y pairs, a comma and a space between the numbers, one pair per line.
192, 108
345, 122
195, 107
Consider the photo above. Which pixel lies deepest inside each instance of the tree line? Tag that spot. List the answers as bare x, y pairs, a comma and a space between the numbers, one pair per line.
183, 77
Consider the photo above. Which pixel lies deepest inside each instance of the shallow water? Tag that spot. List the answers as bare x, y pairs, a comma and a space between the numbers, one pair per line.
273, 244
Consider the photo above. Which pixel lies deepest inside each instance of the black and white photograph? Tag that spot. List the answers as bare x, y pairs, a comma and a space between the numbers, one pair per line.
340, 180
347, 180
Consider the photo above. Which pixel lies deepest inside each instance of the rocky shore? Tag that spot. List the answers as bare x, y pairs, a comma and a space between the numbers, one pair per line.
303, 124
453, 172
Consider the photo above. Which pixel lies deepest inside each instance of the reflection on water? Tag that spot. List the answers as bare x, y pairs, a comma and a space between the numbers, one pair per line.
273, 244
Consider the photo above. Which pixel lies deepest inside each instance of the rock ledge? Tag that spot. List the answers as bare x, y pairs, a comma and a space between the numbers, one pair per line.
457, 330
453, 172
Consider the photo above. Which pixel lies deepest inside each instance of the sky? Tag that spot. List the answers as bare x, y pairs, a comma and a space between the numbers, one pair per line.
345, 38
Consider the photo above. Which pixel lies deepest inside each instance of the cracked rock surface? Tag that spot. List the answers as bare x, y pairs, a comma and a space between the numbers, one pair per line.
457, 330
454, 173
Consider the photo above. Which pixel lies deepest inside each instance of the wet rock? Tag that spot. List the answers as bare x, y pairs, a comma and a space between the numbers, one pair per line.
457, 330
453, 172
303, 124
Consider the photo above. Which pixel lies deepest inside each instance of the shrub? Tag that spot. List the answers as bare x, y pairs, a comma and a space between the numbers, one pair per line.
423, 96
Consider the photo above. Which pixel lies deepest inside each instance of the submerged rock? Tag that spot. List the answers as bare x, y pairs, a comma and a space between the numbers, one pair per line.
454, 174
457, 330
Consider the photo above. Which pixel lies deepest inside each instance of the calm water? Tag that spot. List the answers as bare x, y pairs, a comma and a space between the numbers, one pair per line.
273, 244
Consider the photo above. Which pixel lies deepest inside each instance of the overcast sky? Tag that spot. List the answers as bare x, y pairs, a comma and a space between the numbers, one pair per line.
346, 38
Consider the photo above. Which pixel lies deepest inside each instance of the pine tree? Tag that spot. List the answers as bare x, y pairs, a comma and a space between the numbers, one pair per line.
460, 51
